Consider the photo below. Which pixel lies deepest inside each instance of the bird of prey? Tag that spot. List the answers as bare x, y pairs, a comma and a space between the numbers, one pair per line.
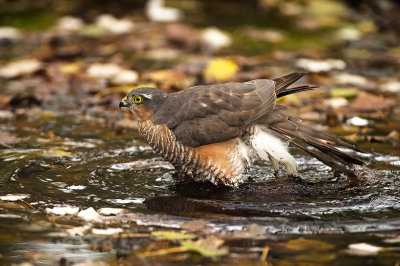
212, 132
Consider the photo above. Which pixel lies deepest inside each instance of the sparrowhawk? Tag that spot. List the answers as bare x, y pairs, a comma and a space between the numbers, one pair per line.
212, 132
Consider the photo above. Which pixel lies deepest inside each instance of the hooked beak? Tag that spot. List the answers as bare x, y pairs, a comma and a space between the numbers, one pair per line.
123, 103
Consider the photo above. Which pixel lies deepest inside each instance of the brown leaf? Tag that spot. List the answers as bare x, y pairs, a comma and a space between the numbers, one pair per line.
308, 244
171, 79
182, 34
366, 102
250, 231
197, 226
7, 138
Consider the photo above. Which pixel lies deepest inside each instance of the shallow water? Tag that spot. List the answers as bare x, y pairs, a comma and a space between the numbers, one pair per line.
86, 164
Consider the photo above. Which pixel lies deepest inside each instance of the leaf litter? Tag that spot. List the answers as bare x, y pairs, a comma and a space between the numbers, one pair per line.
82, 67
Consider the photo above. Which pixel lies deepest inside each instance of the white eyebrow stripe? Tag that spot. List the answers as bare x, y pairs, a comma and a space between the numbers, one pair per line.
148, 96
203, 104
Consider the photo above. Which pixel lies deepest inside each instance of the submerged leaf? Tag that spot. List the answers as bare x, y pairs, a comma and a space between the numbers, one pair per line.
172, 235
207, 247
308, 244
363, 249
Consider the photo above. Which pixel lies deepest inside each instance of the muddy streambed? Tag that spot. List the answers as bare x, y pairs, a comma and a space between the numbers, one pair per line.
76, 161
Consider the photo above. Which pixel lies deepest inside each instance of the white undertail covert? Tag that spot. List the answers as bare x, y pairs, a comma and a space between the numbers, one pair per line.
269, 147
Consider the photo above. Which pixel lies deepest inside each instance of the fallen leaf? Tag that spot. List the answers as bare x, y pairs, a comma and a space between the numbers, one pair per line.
71, 68
157, 11
348, 34
197, 226
172, 235
19, 68
344, 92
366, 102
336, 102
320, 65
357, 121
207, 247
220, 70
47, 114
391, 86
5, 114
14, 197
80, 230
351, 79
10, 33
308, 244
69, 24
125, 76
103, 71
215, 39
163, 54
394, 240
89, 214
171, 79
57, 153
161, 252
7, 138
63, 210
107, 232
182, 34
113, 25
363, 249
250, 231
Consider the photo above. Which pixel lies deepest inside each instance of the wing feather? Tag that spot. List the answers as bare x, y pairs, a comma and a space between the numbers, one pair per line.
204, 115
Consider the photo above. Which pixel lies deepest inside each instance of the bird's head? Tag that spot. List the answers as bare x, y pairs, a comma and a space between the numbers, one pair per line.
143, 101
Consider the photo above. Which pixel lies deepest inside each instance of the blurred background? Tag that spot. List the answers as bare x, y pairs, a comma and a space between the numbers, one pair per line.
65, 66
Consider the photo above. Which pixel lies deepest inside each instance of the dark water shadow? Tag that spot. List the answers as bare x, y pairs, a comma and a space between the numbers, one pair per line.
299, 204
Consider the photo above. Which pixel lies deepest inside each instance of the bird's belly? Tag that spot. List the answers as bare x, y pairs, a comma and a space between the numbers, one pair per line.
220, 162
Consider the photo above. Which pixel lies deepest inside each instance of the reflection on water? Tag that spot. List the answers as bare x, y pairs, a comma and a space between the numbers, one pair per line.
102, 171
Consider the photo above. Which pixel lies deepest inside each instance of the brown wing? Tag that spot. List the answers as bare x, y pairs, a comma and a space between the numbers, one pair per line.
204, 115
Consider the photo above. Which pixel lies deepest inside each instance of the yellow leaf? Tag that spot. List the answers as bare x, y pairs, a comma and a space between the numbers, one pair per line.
220, 69
344, 92
57, 153
70, 68
172, 235
207, 247
46, 114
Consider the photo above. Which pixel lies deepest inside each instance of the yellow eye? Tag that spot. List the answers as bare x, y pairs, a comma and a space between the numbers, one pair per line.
138, 99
